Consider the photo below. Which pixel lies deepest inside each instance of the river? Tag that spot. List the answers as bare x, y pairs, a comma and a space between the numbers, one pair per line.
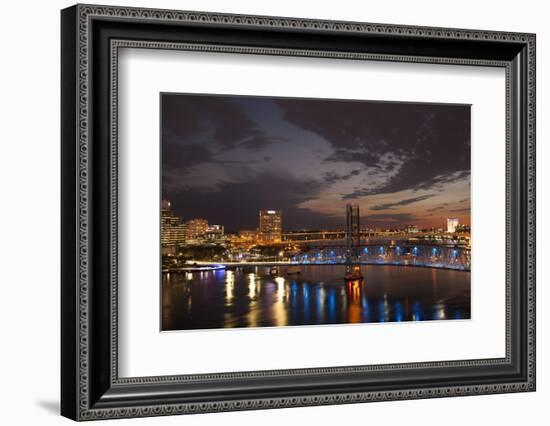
259, 297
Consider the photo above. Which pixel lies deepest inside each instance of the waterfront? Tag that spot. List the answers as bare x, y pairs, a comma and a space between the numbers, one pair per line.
262, 297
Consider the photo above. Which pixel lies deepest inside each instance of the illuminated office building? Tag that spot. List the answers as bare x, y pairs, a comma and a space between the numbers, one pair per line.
173, 231
215, 234
452, 223
271, 226
196, 228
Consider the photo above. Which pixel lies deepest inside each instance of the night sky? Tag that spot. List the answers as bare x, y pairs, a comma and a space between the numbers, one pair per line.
226, 157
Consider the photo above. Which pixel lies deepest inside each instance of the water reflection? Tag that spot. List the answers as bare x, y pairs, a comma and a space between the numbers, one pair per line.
318, 295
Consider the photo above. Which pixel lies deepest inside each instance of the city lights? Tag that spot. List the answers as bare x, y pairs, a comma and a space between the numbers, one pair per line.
197, 245
283, 211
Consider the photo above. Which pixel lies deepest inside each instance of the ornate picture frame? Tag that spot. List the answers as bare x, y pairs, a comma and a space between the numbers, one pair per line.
91, 37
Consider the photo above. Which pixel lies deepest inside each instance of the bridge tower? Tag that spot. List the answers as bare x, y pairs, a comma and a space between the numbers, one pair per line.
353, 233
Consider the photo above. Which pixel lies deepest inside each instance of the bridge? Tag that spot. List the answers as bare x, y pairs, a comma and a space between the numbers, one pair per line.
431, 256
355, 247
434, 256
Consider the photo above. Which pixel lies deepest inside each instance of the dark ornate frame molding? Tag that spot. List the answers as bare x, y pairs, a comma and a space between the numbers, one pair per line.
91, 38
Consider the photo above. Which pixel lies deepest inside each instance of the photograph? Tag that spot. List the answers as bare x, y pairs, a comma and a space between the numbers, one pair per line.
297, 211
264, 208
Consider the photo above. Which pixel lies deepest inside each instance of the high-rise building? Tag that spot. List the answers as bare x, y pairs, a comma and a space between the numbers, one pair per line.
215, 234
172, 230
353, 230
452, 224
271, 226
196, 228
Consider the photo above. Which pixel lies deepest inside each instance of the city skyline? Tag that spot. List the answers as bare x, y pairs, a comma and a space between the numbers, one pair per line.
227, 157
450, 226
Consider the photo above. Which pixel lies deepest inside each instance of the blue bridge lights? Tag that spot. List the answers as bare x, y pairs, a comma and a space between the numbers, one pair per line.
454, 254
401, 254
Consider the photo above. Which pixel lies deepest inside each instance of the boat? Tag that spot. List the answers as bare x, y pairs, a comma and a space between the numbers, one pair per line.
353, 273
293, 270
195, 268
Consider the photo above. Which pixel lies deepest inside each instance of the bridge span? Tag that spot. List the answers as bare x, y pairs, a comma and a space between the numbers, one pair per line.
414, 255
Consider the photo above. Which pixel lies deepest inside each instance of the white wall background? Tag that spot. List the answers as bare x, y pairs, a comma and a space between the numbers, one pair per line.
29, 214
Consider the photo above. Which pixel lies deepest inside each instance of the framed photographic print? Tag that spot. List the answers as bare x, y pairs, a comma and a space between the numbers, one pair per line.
232, 182
263, 212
